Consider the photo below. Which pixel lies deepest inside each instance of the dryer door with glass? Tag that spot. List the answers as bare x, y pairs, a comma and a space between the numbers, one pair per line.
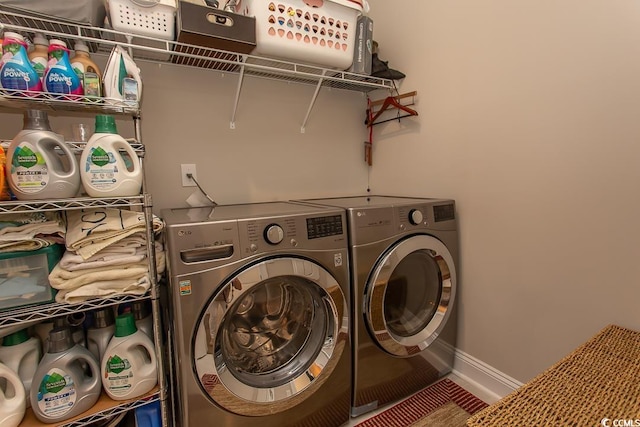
270, 336
409, 295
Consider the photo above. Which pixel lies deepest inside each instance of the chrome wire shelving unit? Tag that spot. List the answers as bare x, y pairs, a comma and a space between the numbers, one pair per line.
40, 312
24, 99
67, 204
102, 40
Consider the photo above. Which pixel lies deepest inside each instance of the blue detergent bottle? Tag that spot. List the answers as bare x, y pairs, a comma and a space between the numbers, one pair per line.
60, 76
17, 71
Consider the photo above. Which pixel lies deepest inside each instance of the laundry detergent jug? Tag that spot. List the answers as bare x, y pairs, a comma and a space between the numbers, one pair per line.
39, 164
129, 365
67, 381
101, 331
105, 171
21, 353
12, 398
60, 76
17, 72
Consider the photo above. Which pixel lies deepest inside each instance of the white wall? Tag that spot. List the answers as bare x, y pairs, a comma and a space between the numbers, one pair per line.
529, 118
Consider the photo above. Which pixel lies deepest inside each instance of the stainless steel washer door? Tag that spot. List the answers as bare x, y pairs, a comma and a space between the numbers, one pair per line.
409, 296
271, 332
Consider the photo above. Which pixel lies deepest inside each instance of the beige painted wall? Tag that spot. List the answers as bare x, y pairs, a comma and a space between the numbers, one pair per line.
530, 119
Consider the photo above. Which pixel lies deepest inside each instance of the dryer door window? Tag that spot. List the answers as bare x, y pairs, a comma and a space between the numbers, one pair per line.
272, 332
410, 294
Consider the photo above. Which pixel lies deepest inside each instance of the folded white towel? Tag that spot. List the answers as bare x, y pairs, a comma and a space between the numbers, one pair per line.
91, 230
19, 227
25, 245
105, 288
60, 278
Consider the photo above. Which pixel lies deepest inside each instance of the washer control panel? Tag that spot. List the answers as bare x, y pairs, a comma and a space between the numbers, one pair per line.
258, 235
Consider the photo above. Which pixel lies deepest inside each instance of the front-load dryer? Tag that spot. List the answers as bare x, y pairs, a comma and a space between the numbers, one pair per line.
259, 315
404, 253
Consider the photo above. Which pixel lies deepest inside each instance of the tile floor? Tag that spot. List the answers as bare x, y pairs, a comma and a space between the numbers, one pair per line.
470, 387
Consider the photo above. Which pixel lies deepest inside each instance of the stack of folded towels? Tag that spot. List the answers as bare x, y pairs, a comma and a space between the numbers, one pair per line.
30, 231
106, 255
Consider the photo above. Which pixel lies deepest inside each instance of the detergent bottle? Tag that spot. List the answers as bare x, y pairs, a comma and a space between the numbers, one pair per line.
34, 163
101, 331
129, 365
12, 398
17, 71
39, 54
87, 70
62, 387
21, 353
104, 171
142, 315
4, 186
59, 76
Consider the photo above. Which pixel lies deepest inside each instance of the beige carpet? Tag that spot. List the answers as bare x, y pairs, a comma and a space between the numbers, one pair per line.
443, 404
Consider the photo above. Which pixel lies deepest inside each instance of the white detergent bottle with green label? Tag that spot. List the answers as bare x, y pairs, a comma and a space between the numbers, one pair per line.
12, 398
39, 164
129, 365
104, 169
99, 334
62, 387
21, 353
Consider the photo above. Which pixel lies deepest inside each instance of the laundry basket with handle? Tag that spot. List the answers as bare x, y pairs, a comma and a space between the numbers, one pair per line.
320, 32
151, 18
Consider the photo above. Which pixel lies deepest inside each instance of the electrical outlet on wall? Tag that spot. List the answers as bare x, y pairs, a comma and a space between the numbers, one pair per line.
188, 169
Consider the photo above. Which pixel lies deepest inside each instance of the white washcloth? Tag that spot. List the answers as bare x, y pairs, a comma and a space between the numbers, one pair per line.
105, 288
91, 230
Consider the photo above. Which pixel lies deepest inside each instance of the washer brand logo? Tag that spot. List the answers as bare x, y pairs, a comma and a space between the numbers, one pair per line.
361, 213
337, 260
606, 422
184, 233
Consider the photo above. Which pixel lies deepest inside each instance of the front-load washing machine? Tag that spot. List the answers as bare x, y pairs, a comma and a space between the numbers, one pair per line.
404, 254
259, 315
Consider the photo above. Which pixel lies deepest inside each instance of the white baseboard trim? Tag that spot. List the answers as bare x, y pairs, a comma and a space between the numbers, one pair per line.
488, 379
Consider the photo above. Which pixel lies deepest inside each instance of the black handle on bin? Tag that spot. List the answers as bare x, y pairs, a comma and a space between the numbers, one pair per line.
219, 19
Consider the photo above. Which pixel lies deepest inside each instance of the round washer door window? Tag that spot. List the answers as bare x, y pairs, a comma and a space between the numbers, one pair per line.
270, 333
410, 294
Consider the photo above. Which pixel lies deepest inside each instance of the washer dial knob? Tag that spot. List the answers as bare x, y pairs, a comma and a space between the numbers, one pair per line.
415, 217
273, 234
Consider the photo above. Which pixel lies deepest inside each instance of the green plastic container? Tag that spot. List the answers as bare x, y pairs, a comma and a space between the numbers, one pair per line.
24, 276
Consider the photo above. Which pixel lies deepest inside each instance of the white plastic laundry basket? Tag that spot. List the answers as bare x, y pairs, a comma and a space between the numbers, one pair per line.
320, 32
151, 18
